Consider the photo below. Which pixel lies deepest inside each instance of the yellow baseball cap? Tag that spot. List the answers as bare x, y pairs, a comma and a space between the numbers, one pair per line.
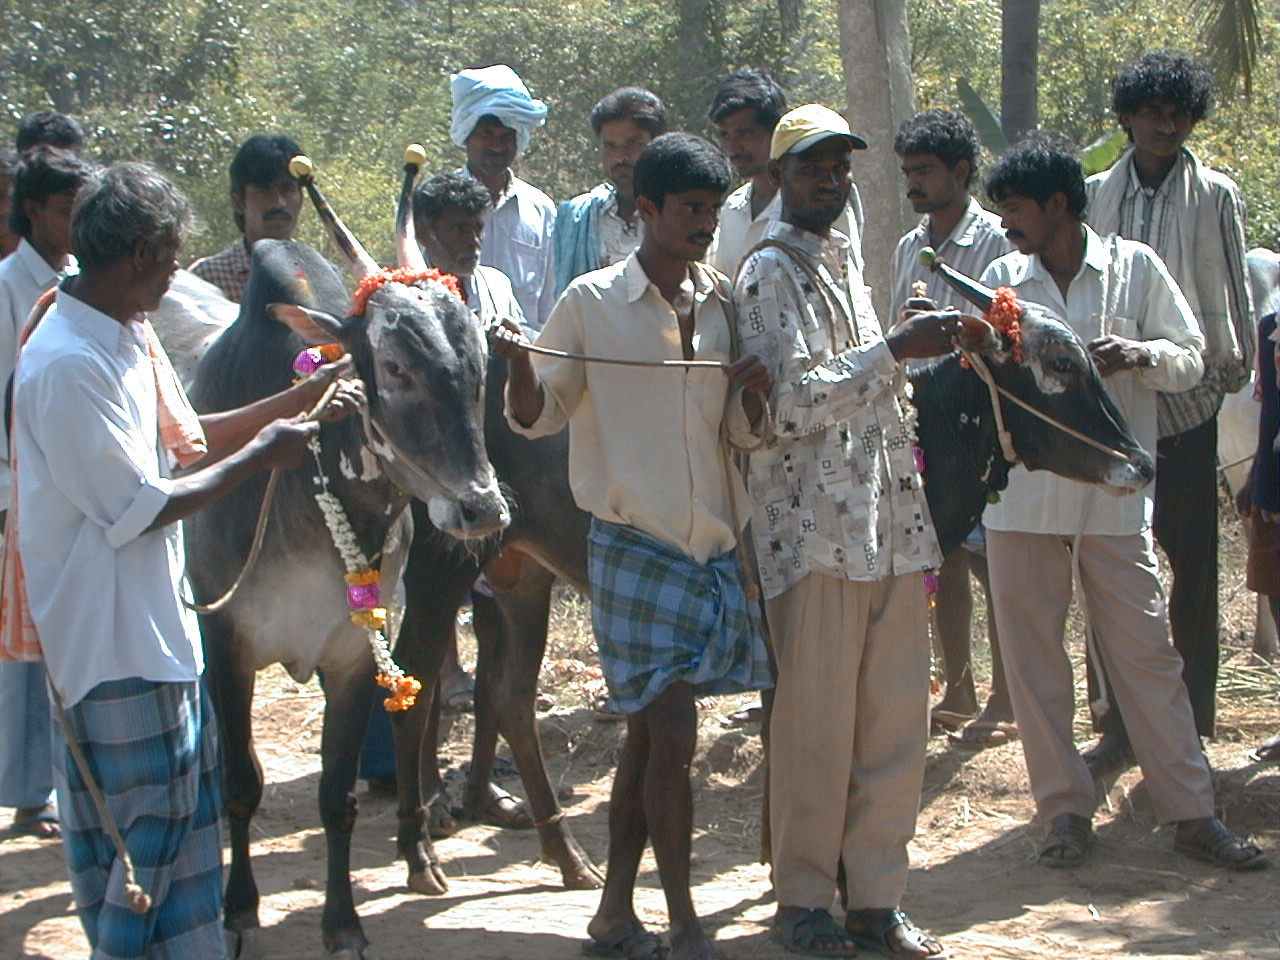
801, 128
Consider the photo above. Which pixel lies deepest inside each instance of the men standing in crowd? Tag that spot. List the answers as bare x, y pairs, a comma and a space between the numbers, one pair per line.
601, 227
745, 109
98, 414
267, 200
669, 602
938, 152
494, 115
45, 182
1118, 297
1160, 193
843, 537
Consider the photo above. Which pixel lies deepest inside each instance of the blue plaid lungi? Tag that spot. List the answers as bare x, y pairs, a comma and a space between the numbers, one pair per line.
660, 617
153, 751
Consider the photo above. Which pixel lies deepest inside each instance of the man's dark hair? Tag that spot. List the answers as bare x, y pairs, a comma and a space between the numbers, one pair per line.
433, 197
40, 173
260, 161
1038, 167
749, 89
944, 134
1173, 77
50, 128
121, 207
631, 103
676, 162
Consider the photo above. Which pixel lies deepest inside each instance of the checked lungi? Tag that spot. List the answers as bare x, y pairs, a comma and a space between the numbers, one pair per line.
660, 617
153, 751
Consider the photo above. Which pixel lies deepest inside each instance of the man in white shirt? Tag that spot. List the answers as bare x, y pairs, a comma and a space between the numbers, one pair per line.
744, 110
45, 182
669, 603
494, 116
1159, 192
98, 416
601, 227
843, 536
938, 153
1119, 298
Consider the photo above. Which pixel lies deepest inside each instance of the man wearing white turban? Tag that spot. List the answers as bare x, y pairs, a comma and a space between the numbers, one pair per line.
494, 115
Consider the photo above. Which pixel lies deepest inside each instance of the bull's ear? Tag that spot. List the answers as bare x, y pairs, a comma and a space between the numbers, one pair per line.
313, 326
979, 336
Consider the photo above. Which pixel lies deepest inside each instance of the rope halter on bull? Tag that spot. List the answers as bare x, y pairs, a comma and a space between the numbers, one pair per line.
1002, 310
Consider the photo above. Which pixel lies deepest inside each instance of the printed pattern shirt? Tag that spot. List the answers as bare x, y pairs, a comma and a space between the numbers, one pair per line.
837, 491
618, 237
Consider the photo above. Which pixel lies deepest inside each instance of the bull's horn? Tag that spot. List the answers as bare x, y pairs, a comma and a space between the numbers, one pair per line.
358, 261
977, 294
408, 254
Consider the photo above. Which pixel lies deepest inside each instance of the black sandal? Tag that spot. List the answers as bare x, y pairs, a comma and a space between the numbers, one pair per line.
1070, 837
1211, 840
870, 930
799, 929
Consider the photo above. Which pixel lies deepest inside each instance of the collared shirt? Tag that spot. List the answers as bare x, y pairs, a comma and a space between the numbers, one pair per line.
618, 237
838, 493
518, 241
643, 441
102, 588
976, 240
227, 270
739, 232
1205, 252
491, 298
24, 275
1122, 288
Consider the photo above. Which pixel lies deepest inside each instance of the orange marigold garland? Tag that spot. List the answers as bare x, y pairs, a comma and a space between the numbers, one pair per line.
371, 282
1005, 314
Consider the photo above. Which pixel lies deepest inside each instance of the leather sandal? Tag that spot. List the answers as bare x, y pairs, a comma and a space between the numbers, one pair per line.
1070, 837
1213, 841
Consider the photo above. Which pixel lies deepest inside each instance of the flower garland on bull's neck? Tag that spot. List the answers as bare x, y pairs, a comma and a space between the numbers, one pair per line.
364, 590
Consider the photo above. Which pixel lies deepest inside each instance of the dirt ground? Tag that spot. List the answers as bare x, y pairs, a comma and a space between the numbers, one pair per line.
974, 881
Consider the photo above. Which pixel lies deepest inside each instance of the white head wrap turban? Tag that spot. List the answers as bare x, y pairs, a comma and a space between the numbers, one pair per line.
494, 91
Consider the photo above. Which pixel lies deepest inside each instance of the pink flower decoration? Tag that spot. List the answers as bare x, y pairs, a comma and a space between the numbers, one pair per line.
363, 596
918, 452
308, 361
930, 584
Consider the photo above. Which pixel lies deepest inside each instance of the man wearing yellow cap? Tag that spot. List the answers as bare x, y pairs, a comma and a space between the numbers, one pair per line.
842, 536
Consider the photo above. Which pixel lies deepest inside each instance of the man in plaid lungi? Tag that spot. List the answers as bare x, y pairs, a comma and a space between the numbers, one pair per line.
669, 603
98, 414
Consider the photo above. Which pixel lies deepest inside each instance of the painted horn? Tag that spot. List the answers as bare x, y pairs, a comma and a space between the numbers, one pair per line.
358, 261
977, 294
408, 254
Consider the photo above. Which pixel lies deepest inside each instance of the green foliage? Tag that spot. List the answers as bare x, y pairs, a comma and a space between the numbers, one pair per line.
982, 117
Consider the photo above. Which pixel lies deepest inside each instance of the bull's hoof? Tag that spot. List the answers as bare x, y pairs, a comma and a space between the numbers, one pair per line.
440, 822
243, 944
581, 875
429, 882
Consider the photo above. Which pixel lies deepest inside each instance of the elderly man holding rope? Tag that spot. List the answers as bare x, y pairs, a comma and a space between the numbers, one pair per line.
99, 422
670, 602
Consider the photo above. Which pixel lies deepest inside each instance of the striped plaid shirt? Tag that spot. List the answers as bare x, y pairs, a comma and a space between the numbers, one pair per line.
228, 270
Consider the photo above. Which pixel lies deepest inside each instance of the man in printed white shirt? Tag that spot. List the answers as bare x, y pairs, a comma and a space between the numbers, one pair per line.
601, 227
669, 601
1160, 192
1117, 295
938, 154
494, 117
45, 182
842, 536
744, 110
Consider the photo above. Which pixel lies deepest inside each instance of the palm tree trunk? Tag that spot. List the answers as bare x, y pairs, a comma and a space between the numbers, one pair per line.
1019, 67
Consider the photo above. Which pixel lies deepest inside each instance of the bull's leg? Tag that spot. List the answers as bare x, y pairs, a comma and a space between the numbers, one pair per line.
349, 693
512, 635
231, 690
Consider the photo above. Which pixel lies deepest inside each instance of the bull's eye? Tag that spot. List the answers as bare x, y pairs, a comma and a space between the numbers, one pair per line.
1064, 365
392, 369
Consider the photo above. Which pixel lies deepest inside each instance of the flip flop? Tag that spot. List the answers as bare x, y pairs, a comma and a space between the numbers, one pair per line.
43, 824
637, 944
997, 734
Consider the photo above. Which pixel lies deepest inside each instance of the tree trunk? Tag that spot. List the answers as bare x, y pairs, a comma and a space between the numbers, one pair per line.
876, 51
1019, 67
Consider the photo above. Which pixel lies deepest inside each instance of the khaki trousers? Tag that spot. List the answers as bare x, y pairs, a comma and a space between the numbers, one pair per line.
1031, 589
847, 737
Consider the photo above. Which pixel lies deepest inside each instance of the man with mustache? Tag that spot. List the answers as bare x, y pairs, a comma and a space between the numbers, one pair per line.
843, 537
669, 601
267, 200
744, 111
1159, 192
601, 227
938, 153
